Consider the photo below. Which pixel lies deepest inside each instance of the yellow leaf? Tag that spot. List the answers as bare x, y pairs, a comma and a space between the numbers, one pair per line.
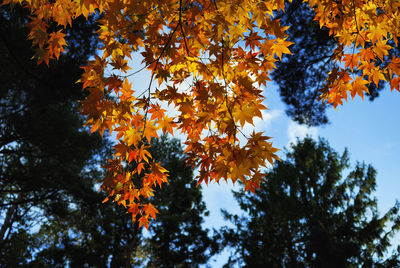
358, 86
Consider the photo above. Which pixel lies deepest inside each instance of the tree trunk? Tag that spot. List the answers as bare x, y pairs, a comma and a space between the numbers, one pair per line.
9, 219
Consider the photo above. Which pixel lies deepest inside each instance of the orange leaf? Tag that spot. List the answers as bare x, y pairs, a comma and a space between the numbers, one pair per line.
358, 86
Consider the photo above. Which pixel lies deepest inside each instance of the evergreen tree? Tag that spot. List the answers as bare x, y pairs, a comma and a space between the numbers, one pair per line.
308, 214
46, 157
177, 237
102, 235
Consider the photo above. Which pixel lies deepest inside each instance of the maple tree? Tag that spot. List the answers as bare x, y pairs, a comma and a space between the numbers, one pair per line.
209, 60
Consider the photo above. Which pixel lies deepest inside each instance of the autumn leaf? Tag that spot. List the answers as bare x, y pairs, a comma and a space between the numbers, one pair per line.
382, 49
149, 209
351, 61
359, 87
150, 130
144, 221
395, 83
281, 47
244, 114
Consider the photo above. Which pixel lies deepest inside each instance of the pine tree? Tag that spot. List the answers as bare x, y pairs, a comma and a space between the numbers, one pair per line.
46, 156
309, 214
102, 235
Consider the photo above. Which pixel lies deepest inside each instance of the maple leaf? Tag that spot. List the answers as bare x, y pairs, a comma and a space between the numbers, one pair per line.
156, 112
96, 126
149, 209
150, 130
395, 83
143, 221
167, 125
159, 173
280, 47
395, 65
359, 87
381, 49
56, 43
351, 60
144, 154
376, 75
132, 137
134, 210
244, 114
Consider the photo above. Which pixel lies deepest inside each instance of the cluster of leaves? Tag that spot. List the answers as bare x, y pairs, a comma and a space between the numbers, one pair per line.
210, 59
51, 213
308, 214
301, 75
363, 30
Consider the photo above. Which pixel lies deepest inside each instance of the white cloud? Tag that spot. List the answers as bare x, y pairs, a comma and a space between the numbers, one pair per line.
295, 130
268, 117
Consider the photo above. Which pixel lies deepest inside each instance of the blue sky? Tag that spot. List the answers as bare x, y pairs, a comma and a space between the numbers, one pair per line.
368, 129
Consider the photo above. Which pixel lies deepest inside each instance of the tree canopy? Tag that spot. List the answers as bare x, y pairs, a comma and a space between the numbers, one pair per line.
46, 157
314, 210
93, 234
209, 60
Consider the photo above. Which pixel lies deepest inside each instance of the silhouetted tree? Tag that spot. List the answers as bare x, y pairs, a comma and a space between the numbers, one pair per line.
177, 237
102, 235
309, 214
46, 157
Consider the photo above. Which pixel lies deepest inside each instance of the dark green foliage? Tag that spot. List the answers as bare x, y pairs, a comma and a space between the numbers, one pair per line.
308, 214
102, 235
177, 238
301, 75
90, 234
46, 157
